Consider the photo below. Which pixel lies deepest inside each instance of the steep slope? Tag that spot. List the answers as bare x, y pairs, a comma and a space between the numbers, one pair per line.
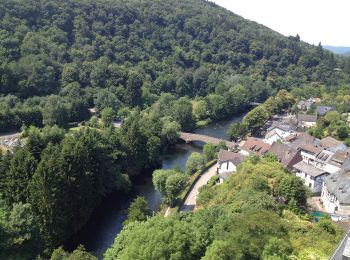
185, 47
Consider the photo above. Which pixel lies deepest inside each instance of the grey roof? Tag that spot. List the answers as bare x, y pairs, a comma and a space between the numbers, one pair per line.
281, 125
339, 158
322, 110
339, 183
286, 155
308, 169
329, 142
307, 118
303, 138
310, 148
324, 156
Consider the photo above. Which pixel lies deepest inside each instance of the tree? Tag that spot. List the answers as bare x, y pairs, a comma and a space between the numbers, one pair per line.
21, 170
255, 119
174, 185
343, 132
181, 112
159, 178
291, 187
23, 240
169, 182
158, 238
138, 210
236, 131
55, 112
332, 117
107, 116
200, 109
133, 94
277, 248
170, 131
194, 163
209, 151
78, 254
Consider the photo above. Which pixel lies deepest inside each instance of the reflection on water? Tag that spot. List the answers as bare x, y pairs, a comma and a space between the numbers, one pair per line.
106, 222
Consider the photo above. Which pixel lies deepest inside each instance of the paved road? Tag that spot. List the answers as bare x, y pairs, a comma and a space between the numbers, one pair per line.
191, 199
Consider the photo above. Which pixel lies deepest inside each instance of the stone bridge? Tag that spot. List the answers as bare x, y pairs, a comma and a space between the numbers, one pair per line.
189, 137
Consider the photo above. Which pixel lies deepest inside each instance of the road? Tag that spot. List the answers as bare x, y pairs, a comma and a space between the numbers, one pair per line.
191, 199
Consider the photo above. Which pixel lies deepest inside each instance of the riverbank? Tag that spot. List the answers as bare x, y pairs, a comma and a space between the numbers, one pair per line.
106, 222
194, 183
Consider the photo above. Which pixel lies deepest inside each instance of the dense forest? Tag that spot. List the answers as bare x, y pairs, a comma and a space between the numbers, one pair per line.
59, 58
161, 66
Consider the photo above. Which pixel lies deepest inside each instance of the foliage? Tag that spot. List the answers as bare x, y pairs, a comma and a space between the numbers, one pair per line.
78, 254
236, 131
60, 59
195, 162
138, 210
170, 183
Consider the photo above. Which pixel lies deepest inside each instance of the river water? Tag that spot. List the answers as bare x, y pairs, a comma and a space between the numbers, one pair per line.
106, 222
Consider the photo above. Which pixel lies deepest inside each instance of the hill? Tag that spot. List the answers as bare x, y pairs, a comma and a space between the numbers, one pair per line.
341, 50
114, 53
185, 47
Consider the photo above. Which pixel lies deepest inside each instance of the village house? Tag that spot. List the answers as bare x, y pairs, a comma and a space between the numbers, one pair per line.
332, 144
305, 105
254, 146
335, 195
278, 132
227, 163
337, 161
323, 110
286, 155
310, 175
309, 152
306, 121
312, 167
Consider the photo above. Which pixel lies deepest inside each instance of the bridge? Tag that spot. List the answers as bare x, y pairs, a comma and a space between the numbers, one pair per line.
189, 137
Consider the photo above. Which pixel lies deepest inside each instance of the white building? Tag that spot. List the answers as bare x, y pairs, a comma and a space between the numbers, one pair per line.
335, 194
227, 163
277, 133
310, 175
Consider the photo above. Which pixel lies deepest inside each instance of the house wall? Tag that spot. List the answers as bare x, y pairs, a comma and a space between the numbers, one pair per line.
329, 201
308, 158
272, 139
307, 124
226, 167
331, 168
244, 152
277, 136
315, 184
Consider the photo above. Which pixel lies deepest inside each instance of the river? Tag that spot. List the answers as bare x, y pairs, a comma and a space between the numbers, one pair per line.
106, 221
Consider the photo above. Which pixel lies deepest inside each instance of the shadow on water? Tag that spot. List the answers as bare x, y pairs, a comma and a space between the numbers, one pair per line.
107, 220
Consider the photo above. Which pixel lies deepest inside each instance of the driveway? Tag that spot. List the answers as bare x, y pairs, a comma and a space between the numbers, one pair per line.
191, 199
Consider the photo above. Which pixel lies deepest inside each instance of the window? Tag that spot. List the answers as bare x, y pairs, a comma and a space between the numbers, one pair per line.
310, 185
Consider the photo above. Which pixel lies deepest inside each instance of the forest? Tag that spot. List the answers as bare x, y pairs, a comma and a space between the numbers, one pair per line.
161, 67
59, 58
